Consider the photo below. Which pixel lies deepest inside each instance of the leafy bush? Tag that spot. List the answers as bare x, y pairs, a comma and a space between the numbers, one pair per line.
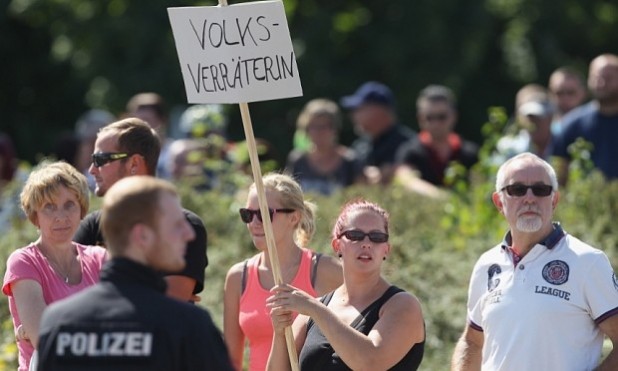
435, 244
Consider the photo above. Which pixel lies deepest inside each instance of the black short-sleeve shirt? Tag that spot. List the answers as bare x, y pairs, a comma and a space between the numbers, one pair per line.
89, 233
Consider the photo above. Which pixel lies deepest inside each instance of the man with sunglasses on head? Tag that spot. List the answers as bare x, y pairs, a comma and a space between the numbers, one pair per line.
541, 299
131, 147
423, 160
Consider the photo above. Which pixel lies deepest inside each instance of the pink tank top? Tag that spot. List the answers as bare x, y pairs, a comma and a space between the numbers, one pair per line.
254, 318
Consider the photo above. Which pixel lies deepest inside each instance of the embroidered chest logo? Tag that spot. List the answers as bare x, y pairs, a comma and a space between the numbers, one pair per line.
556, 272
492, 282
615, 279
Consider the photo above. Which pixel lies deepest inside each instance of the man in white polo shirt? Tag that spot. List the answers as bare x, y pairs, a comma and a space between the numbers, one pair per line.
541, 299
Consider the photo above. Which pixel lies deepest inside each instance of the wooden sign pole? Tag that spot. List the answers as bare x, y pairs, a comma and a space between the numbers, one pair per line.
270, 239
268, 228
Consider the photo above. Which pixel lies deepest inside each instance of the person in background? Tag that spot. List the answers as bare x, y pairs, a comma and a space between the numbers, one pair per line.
55, 198
373, 113
533, 122
422, 161
568, 91
86, 129
541, 299
201, 157
248, 283
326, 166
126, 322
595, 122
366, 323
11, 179
131, 147
151, 108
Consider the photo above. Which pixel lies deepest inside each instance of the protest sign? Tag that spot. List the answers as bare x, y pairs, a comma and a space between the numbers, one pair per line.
237, 53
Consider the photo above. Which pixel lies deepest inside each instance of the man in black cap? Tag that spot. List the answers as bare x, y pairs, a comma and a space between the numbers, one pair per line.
372, 109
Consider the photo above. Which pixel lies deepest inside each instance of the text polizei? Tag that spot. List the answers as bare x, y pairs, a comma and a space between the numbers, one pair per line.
107, 344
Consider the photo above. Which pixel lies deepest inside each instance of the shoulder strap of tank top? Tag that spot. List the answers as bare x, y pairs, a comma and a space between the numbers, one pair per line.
243, 278
315, 259
392, 290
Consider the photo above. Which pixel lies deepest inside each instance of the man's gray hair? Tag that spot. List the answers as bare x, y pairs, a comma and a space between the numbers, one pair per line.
527, 156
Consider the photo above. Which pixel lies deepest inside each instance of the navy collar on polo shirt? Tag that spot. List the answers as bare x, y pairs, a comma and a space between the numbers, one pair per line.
550, 241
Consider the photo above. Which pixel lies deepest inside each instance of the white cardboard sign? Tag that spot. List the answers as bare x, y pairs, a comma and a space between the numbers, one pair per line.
235, 54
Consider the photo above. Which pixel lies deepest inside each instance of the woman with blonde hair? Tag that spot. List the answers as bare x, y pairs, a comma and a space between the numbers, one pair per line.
55, 198
248, 283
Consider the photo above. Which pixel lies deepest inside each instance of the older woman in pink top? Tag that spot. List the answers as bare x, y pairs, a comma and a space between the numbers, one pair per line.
248, 283
55, 199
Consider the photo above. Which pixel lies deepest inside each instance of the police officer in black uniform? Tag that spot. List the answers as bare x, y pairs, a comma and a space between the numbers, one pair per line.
126, 322
131, 147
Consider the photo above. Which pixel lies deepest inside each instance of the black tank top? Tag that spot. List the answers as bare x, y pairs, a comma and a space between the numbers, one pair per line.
318, 354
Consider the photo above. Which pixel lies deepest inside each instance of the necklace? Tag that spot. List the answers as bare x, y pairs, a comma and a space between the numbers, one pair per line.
56, 267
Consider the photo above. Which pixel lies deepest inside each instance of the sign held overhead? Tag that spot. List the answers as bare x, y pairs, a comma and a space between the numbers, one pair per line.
235, 54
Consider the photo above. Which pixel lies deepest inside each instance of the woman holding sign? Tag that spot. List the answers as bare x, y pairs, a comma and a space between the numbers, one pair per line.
366, 323
248, 283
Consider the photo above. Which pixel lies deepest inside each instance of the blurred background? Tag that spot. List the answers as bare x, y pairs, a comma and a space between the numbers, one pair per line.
61, 58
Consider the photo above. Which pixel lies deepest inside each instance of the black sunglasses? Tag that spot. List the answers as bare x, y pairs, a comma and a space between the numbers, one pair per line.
101, 158
437, 117
246, 215
519, 190
357, 235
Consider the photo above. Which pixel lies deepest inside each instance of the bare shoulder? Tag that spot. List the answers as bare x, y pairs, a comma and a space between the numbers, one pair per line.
403, 304
329, 275
234, 275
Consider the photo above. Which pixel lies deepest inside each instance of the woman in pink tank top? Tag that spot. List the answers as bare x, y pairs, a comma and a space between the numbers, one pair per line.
248, 283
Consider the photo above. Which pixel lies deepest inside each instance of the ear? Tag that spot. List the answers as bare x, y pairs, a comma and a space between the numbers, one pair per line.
136, 165
555, 199
334, 243
296, 217
143, 236
495, 197
421, 120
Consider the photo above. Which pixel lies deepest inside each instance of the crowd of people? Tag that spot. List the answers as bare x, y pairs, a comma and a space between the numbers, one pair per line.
97, 288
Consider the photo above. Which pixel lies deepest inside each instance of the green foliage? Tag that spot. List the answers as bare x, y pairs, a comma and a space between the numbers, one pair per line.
435, 244
70, 55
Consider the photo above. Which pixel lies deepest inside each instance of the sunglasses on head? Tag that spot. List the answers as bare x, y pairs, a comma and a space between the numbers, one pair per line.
519, 190
101, 158
358, 235
246, 215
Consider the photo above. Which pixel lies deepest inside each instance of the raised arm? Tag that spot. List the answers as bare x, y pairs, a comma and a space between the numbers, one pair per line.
232, 333
468, 351
400, 326
279, 359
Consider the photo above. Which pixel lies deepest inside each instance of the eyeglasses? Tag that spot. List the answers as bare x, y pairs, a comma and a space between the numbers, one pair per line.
519, 190
358, 235
246, 215
101, 158
437, 117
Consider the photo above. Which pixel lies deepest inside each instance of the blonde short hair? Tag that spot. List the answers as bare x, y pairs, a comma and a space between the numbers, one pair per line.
44, 184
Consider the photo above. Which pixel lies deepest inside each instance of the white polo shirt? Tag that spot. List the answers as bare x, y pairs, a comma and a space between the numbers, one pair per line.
543, 313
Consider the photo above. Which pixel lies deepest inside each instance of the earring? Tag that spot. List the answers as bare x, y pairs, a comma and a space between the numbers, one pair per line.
384, 258
340, 255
